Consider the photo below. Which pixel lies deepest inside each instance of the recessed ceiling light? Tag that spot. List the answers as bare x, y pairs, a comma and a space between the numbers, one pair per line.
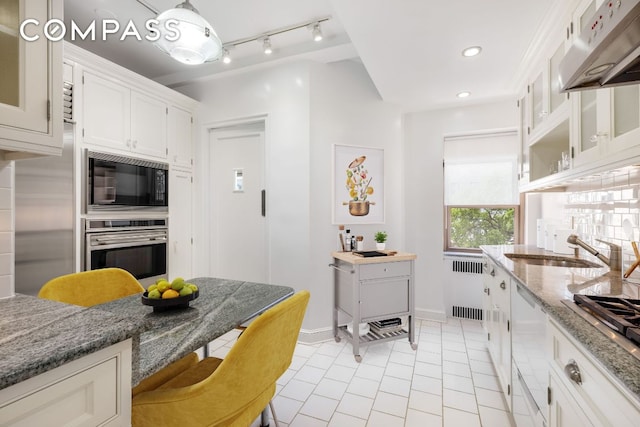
471, 51
463, 94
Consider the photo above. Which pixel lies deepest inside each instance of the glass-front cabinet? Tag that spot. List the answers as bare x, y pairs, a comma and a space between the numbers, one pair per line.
31, 78
591, 119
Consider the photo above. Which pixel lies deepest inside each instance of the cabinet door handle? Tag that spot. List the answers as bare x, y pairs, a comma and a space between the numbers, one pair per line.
503, 285
573, 372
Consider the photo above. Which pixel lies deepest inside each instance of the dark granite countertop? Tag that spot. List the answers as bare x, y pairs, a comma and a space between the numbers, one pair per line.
554, 287
169, 335
37, 335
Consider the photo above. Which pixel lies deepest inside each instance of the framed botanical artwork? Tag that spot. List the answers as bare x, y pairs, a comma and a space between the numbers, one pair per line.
358, 185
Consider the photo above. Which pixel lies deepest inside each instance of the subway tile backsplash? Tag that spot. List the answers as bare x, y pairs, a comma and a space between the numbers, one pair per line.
598, 207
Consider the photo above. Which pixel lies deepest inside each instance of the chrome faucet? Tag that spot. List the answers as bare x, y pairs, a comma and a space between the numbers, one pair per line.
615, 255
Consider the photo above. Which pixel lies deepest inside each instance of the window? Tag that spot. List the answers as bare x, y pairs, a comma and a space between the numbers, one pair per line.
480, 190
470, 227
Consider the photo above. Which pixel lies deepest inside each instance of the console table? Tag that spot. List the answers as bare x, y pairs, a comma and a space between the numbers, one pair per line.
373, 289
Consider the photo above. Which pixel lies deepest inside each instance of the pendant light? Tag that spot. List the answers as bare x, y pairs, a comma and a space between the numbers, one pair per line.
197, 42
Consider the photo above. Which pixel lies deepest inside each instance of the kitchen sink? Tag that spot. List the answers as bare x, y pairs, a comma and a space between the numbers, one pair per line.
552, 261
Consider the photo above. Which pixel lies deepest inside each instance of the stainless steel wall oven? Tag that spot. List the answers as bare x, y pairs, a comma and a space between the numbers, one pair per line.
118, 183
136, 245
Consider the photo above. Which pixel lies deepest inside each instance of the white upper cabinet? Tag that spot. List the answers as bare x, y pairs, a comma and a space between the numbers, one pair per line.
123, 119
573, 135
148, 125
106, 113
31, 81
591, 111
180, 137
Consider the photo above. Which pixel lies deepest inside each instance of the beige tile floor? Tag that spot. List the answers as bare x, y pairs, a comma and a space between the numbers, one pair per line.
449, 382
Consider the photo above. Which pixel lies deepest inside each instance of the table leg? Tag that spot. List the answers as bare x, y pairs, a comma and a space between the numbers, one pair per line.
412, 333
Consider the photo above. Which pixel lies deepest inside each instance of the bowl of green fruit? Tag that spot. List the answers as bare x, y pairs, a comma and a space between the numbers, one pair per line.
165, 295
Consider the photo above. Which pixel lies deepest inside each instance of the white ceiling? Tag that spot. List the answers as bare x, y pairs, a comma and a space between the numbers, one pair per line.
410, 48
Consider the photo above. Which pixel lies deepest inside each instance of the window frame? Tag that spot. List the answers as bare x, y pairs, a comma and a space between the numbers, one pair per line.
517, 231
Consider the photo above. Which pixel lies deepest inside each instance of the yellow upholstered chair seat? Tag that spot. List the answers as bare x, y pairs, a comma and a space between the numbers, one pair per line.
93, 287
228, 392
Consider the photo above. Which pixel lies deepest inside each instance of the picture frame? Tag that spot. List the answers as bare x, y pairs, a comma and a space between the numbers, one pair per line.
358, 185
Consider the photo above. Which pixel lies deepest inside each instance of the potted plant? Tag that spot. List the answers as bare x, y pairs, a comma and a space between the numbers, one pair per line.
380, 237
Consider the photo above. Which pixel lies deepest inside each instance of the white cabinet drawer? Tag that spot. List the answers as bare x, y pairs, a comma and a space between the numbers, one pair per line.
88, 398
597, 392
384, 270
384, 298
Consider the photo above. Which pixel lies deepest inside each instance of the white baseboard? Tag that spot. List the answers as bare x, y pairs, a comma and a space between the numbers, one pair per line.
434, 315
314, 336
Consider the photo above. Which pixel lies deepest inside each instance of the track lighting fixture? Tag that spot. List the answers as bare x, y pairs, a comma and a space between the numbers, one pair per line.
266, 46
316, 32
226, 58
199, 43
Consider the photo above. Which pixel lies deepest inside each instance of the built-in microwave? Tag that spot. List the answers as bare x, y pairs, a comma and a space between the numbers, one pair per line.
119, 183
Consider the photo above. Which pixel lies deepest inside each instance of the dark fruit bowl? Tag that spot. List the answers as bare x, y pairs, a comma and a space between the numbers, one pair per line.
168, 304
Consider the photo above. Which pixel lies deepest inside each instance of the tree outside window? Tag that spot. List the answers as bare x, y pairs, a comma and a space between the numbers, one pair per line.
470, 227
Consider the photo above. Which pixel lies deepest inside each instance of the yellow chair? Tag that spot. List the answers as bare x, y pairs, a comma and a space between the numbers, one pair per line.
93, 287
229, 392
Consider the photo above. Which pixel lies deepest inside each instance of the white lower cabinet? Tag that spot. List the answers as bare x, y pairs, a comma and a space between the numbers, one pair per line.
563, 410
92, 391
582, 394
498, 323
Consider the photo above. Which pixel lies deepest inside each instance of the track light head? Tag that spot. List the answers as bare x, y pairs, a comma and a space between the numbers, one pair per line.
317, 32
226, 58
266, 46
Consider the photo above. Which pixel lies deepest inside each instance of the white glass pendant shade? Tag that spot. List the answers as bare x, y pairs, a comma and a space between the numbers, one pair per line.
197, 41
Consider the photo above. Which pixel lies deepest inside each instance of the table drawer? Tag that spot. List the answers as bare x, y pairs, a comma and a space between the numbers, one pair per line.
379, 299
384, 270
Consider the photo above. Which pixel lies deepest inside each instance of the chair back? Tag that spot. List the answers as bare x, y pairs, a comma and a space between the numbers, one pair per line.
241, 385
93, 287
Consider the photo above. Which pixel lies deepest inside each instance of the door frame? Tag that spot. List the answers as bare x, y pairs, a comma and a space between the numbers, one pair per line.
207, 130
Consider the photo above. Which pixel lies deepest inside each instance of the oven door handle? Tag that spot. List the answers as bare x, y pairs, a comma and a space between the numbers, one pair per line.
114, 244
108, 240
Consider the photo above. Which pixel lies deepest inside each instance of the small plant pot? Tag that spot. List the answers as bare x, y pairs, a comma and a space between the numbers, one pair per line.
380, 246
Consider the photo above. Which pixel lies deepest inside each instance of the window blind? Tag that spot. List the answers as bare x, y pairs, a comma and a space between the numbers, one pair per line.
480, 169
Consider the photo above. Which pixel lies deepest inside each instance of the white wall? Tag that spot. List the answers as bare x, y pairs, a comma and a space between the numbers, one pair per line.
309, 107
347, 110
424, 216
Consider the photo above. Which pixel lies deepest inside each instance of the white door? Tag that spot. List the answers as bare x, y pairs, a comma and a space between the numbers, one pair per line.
238, 229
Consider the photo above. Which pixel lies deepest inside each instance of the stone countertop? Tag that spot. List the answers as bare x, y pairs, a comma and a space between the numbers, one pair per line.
351, 258
551, 285
169, 335
37, 335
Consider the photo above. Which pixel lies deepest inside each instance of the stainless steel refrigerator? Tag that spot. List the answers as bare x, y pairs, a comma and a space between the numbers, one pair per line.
44, 218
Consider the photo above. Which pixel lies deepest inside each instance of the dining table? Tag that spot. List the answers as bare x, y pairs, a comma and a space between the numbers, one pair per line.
167, 335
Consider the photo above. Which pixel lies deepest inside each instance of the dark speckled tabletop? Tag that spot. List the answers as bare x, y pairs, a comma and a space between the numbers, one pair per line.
38, 335
169, 335
554, 287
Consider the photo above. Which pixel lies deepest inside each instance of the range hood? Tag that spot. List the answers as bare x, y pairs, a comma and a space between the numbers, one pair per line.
607, 52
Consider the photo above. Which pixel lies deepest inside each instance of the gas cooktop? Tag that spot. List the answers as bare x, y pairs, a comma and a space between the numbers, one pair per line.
621, 314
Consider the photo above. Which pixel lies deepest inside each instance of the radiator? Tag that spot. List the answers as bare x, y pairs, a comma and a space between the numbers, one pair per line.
463, 286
